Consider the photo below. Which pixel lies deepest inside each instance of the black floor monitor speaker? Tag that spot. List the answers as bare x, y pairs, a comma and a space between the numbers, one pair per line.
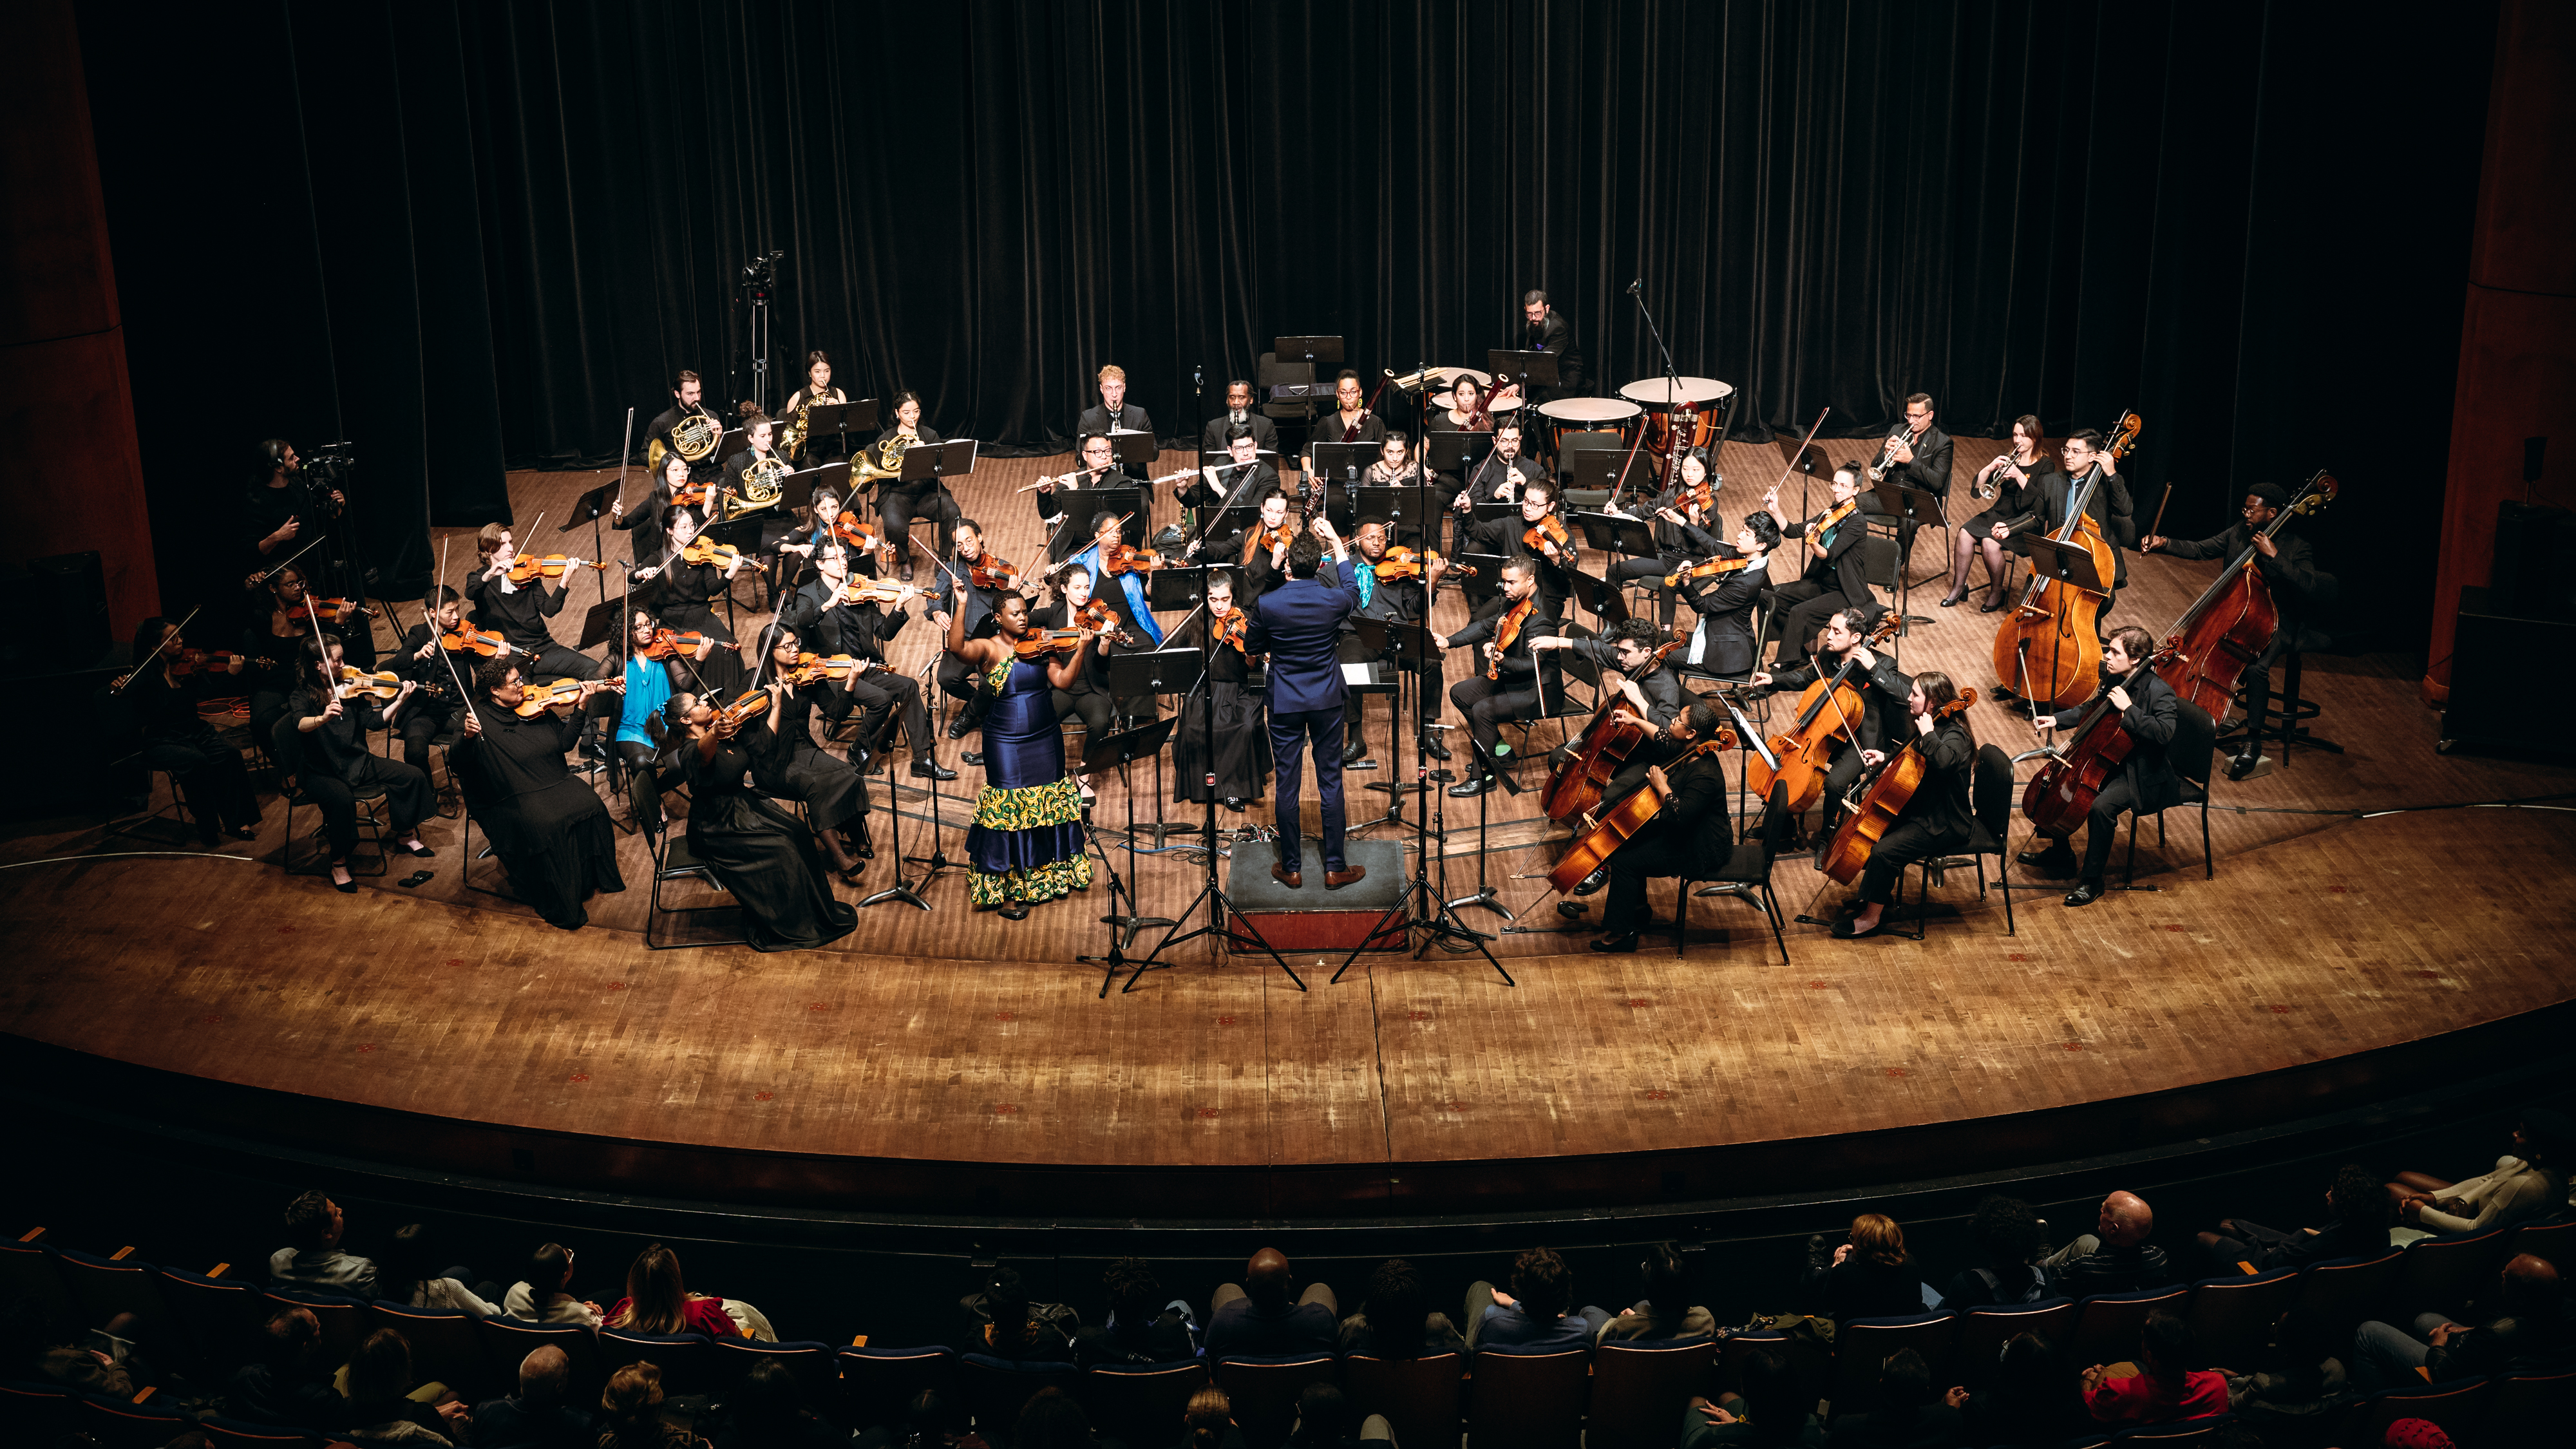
2535, 561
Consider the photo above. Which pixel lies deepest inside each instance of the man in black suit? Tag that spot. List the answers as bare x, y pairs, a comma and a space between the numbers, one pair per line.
1690, 836
1655, 696
1099, 470
2149, 711
1546, 330
1920, 459
1239, 413
1299, 625
2082, 460
1526, 681
1244, 478
1724, 602
686, 390
1114, 414
2290, 570
1836, 578
1935, 821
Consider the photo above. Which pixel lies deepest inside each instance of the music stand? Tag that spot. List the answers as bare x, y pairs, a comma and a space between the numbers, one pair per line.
1914, 506
743, 532
1531, 370
838, 420
1143, 674
1617, 533
1118, 751
590, 508
1175, 588
1601, 597
2070, 563
1132, 445
600, 623
1401, 505
1072, 537
1454, 453
1313, 351
1488, 567
1599, 468
801, 486
1343, 463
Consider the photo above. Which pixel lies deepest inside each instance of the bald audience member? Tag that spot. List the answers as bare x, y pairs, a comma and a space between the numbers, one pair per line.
2116, 1256
1257, 1318
2524, 1331
536, 1417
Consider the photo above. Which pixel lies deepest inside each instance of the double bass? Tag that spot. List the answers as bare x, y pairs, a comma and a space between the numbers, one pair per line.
1593, 848
2062, 793
2048, 649
2233, 621
1878, 805
1828, 710
1576, 787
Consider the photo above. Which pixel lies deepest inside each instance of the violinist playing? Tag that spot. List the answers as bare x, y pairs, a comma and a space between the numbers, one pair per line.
685, 595
545, 823
1026, 843
1690, 836
1221, 714
650, 522
1540, 536
1680, 515
422, 659
1122, 587
1835, 576
322, 741
1724, 644
2290, 571
1398, 593
1265, 548
518, 611
1516, 678
2150, 711
1883, 694
1936, 819
788, 765
958, 592
207, 772
272, 641
830, 625
654, 672
758, 851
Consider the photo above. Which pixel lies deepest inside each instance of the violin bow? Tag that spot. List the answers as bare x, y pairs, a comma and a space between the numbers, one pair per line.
443, 656
128, 681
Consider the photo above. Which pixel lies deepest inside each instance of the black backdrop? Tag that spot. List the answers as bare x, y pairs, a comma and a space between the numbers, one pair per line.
2248, 220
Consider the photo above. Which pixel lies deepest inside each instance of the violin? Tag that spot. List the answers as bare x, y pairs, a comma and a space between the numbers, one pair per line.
1127, 558
1701, 495
704, 550
1713, 568
814, 668
189, 660
527, 567
2049, 649
384, 684
1577, 786
1593, 848
741, 711
992, 571
1876, 811
1402, 562
1549, 529
1094, 617
849, 530
696, 495
331, 611
482, 641
1831, 518
879, 591
1231, 630
666, 643
1805, 748
1262, 540
536, 699
1506, 632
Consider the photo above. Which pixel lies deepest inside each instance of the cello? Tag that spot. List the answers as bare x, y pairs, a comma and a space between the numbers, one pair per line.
2047, 649
2062, 793
1879, 805
1829, 710
1592, 848
1597, 754
2233, 621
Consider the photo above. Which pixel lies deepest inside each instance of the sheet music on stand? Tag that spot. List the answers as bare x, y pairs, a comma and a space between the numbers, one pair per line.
801, 486
837, 421
1316, 351
1341, 462
1455, 453
1599, 468
2070, 562
1532, 371
1616, 533
943, 461
1184, 587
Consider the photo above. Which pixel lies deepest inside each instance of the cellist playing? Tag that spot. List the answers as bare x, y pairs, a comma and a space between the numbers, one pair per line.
1936, 817
1653, 697
1882, 693
1690, 836
2290, 572
2149, 710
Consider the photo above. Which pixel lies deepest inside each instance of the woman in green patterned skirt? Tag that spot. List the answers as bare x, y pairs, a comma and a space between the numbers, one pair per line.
1026, 845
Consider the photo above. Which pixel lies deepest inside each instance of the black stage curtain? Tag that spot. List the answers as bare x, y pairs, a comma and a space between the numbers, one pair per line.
2249, 221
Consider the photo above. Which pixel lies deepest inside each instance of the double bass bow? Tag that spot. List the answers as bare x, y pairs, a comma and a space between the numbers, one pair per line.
2234, 619
1593, 848
2048, 648
1828, 710
1875, 810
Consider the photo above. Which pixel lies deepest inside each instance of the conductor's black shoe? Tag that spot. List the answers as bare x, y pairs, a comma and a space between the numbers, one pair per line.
2086, 892
932, 770
1470, 789
2243, 764
1431, 746
1617, 943
972, 757
1593, 882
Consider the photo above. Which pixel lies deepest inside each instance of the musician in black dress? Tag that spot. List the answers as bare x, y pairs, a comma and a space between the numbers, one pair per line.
1835, 578
437, 708
322, 740
1529, 680
1680, 528
2289, 569
2081, 461
818, 391
687, 392
1935, 820
1882, 694
207, 772
518, 612
272, 642
788, 765
1405, 601
1239, 413
901, 505
1222, 713
758, 851
649, 522
1351, 421
1919, 458
1545, 329
2008, 481
1725, 645
1691, 836
2150, 711
1554, 564
684, 596
545, 823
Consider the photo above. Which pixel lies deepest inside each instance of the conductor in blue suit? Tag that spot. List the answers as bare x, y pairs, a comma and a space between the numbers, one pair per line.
1299, 625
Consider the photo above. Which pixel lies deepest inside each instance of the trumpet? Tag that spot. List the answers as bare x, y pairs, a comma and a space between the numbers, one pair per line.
1887, 455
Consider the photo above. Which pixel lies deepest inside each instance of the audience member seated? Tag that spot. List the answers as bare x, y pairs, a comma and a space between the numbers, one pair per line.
2008, 1242
1143, 1327
1868, 1274
1767, 1415
2416, 1434
1538, 1313
2298, 1387
1396, 1320
381, 1410
2359, 1229
2116, 1256
1210, 1421
1324, 1422
630, 1412
1257, 1319
288, 1387
408, 1274
115, 1361
766, 1410
2528, 1182
551, 1265
931, 1421
1052, 1420
1666, 1311
2029, 1400
536, 1417
313, 1258
1008, 1330
1906, 1415
2521, 1328
657, 1301
2162, 1389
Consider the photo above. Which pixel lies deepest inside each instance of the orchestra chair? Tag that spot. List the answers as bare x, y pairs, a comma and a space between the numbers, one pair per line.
997, 1389
508, 1341
1265, 1390
2231, 1317
28, 1271
344, 1320
223, 1433
2203, 1430
1565, 445
878, 1385
1270, 372
114, 1423
687, 1360
2107, 1324
2191, 752
1750, 867
1420, 1397
817, 1372
1523, 1400
2456, 1405
473, 854
1141, 1405
445, 1349
2341, 1292
105, 1287
162, 825
2441, 1275
1991, 789
1862, 1347
1884, 567
2553, 1241
1984, 1330
673, 861
1639, 1389
2528, 1409
219, 1318
373, 829
35, 1413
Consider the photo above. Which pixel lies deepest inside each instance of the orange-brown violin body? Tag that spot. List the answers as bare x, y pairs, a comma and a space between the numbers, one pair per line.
1883, 803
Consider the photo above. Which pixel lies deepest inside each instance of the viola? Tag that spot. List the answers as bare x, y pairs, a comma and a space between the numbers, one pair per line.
2234, 619
1231, 630
1127, 558
527, 567
1879, 805
1713, 568
1506, 632
2093, 757
189, 660
1828, 710
1577, 786
1262, 540
482, 641
2049, 649
704, 550
1402, 562
330, 611
383, 685
536, 699
814, 668
750, 703
1548, 529
1593, 848
667, 643
992, 571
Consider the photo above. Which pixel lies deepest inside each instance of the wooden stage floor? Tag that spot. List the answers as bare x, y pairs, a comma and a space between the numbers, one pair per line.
954, 1061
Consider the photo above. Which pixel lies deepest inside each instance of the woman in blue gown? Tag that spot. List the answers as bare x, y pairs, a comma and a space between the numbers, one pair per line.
1026, 844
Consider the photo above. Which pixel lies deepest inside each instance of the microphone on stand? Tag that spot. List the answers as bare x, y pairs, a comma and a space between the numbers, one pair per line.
1636, 286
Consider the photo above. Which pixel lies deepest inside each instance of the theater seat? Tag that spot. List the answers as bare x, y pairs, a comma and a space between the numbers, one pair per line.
1639, 1389
1421, 1397
1521, 1400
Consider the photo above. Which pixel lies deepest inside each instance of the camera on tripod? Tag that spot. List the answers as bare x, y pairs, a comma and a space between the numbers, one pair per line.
330, 464
760, 274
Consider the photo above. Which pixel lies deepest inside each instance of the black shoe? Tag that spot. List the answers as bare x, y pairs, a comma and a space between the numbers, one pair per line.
1955, 598
1990, 606
1234, 803
1593, 882
960, 727
1354, 752
1431, 746
859, 757
2243, 764
1626, 943
1470, 789
1844, 930
2085, 893
973, 757
1510, 785
932, 770
2055, 863
1015, 911
903, 573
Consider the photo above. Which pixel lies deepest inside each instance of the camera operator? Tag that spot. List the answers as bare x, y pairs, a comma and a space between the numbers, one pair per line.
284, 507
